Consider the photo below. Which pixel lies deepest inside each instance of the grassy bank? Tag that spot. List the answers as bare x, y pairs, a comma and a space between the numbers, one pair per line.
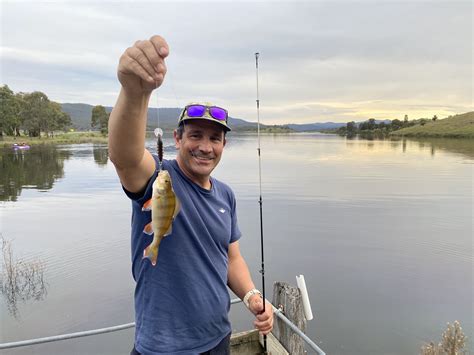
458, 126
61, 138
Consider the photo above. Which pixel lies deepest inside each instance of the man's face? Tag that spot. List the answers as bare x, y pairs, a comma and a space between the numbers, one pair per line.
200, 149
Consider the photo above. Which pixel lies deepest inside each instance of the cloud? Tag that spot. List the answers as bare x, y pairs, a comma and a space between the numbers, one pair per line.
320, 61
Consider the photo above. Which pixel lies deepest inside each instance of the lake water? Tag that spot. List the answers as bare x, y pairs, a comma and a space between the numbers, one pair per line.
382, 231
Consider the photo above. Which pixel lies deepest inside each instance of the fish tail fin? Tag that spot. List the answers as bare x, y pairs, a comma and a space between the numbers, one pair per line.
151, 253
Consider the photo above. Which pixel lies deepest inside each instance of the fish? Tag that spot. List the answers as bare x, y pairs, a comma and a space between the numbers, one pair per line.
164, 206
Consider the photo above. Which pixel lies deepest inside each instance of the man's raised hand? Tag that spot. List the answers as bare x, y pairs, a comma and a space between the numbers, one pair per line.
142, 67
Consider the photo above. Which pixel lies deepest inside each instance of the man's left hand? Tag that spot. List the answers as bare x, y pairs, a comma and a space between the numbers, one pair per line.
264, 320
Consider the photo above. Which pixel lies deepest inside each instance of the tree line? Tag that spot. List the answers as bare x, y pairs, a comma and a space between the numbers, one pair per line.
382, 129
33, 114
30, 113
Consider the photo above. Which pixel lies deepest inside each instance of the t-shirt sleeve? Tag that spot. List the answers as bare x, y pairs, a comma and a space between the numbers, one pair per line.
141, 196
135, 196
235, 231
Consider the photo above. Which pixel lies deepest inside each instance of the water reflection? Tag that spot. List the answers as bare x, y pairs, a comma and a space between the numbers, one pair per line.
41, 166
321, 186
464, 147
36, 168
459, 146
101, 154
22, 280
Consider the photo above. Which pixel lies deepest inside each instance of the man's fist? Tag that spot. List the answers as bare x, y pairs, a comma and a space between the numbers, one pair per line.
142, 67
263, 321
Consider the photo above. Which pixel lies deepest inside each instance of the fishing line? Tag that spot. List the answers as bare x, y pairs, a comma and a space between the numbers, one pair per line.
262, 271
158, 133
177, 99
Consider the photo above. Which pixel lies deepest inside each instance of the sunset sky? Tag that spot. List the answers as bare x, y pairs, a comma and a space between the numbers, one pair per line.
319, 61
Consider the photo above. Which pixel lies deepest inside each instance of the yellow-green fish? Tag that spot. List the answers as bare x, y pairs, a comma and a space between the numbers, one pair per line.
164, 206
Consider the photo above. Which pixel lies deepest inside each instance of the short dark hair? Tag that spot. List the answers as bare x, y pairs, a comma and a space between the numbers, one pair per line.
180, 130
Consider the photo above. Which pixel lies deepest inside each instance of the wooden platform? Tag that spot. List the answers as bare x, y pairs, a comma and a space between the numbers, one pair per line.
251, 343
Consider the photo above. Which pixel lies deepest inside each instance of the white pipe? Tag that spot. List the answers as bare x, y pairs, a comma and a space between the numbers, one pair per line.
304, 295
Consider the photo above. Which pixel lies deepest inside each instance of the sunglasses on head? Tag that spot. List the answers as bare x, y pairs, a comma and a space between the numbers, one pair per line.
218, 113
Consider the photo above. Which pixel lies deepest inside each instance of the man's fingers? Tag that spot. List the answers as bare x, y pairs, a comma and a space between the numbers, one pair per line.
258, 309
136, 69
153, 57
264, 321
262, 316
142, 67
139, 57
160, 45
265, 326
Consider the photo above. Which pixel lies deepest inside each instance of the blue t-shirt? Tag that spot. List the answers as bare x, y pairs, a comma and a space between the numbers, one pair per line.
182, 303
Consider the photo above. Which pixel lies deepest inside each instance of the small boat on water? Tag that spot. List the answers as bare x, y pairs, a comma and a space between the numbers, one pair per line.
22, 146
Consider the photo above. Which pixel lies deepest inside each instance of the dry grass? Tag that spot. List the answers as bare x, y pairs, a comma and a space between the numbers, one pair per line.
21, 280
453, 342
458, 126
60, 138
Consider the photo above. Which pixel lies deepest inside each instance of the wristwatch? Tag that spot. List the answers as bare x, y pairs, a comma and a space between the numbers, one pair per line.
250, 294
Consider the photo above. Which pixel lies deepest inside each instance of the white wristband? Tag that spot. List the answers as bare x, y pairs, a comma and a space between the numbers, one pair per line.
250, 294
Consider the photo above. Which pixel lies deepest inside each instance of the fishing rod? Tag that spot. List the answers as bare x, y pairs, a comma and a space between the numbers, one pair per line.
262, 271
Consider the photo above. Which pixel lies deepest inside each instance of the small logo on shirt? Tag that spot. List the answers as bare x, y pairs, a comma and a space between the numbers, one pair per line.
222, 210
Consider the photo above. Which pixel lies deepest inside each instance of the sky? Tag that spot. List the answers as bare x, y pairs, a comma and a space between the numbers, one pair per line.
319, 61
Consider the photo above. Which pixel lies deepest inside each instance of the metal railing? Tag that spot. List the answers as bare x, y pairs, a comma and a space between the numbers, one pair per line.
86, 333
298, 331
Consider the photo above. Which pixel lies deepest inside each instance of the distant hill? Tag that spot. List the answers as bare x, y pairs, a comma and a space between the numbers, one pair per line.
81, 117
458, 126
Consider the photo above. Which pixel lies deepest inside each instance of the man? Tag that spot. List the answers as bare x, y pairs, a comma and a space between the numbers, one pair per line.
181, 304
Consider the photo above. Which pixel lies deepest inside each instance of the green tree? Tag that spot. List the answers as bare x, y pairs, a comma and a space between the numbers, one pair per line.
364, 126
58, 119
10, 107
351, 129
371, 124
396, 124
342, 131
405, 123
35, 113
100, 118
